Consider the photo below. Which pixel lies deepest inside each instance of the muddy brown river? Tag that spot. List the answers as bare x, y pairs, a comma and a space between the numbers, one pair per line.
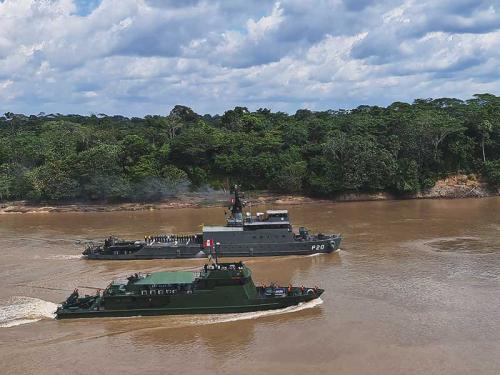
415, 289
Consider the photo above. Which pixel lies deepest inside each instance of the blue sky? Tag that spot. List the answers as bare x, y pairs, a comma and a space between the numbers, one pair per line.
138, 57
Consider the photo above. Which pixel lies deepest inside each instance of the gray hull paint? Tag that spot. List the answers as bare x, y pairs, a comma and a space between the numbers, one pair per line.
257, 249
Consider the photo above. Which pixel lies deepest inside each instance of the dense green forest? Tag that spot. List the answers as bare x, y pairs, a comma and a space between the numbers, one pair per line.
402, 148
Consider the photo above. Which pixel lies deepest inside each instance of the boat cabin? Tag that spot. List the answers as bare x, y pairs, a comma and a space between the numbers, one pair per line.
183, 282
276, 215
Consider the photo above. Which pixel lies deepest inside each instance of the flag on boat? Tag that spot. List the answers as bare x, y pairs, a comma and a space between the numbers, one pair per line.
208, 243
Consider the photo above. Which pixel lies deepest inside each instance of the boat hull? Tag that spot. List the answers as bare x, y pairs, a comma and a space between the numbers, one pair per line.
225, 250
252, 306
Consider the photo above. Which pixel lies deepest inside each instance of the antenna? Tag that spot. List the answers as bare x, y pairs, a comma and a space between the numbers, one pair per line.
217, 245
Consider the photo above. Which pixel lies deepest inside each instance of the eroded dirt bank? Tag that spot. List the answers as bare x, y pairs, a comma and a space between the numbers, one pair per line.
456, 186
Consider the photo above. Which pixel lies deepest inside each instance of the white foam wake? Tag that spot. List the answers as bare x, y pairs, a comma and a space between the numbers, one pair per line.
23, 310
224, 318
64, 256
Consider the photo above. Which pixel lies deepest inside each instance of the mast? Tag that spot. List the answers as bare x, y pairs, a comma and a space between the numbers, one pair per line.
217, 245
236, 207
237, 203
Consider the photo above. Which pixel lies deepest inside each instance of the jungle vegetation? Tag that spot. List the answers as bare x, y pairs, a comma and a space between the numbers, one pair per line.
402, 148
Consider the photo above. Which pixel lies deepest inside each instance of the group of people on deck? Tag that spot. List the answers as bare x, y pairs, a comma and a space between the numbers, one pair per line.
169, 238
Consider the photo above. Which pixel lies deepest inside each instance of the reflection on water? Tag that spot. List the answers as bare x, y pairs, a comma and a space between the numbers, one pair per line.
414, 290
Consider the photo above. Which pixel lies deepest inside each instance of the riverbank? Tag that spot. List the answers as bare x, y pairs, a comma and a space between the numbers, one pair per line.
180, 201
452, 187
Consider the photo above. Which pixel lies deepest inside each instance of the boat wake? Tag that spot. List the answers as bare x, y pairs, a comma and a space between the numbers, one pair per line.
23, 310
225, 318
64, 256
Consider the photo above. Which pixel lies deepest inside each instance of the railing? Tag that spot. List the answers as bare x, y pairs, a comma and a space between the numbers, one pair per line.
172, 239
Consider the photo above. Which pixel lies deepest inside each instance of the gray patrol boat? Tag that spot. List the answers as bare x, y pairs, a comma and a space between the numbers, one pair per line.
265, 234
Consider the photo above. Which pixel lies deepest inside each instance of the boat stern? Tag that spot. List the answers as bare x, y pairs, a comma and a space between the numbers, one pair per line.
91, 249
76, 306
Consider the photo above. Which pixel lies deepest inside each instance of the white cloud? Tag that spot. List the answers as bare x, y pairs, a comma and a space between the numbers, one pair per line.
258, 29
135, 57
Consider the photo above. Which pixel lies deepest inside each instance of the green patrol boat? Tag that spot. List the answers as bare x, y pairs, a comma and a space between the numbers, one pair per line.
216, 289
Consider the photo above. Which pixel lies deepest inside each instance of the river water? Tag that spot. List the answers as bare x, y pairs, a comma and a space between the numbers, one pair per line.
415, 289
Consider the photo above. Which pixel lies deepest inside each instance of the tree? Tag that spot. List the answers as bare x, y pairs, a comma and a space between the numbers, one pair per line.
485, 128
51, 181
484, 115
132, 148
6, 182
290, 177
360, 164
99, 173
402, 148
436, 127
492, 172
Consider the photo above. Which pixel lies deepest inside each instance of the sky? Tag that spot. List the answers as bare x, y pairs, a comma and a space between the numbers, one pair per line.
139, 57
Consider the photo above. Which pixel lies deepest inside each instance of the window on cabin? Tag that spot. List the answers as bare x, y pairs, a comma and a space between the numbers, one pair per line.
151, 292
160, 291
144, 292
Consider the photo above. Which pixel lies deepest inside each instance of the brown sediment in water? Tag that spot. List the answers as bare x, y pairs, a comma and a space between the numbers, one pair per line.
414, 291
